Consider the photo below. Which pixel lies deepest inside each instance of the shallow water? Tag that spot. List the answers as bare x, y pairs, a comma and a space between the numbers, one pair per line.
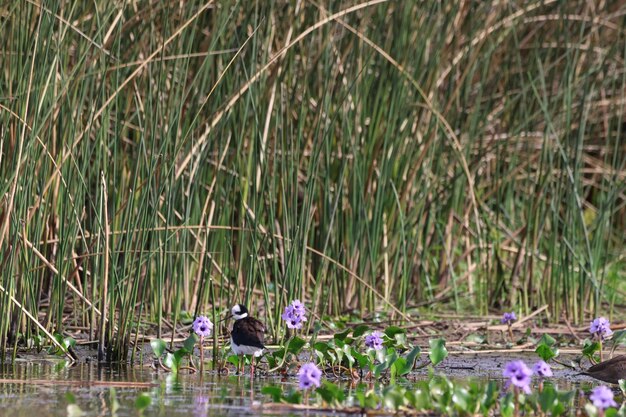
41, 387
40, 390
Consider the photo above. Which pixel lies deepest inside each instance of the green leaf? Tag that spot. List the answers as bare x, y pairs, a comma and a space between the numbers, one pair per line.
547, 340
392, 331
409, 362
70, 398
390, 359
331, 393
180, 354
490, 397
438, 351
321, 347
421, 399
462, 399
233, 359
171, 362
363, 360
393, 397
68, 342
294, 397
507, 406
547, 397
360, 330
143, 401
158, 347
589, 348
275, 392
622, 386
343, 335
190, 342
546, 353
619, 337
368, 400
295, 345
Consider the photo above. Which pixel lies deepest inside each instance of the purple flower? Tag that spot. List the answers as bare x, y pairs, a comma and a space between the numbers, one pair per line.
202, 326
374, 340
309, 375
602, 397
601, 327
294, 315
298, 307
542, 369
519, 375
508, 318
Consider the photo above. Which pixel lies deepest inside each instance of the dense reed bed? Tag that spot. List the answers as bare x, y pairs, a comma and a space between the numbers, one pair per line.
165, 158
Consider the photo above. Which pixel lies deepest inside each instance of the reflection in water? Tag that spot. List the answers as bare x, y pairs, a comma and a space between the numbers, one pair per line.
43, 385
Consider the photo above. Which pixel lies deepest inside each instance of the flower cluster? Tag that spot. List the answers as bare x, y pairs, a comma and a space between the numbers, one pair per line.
602, 397
374, 340
508, 318
202, 326
294, 315
600, 328
542, 369
519, 374
309, 375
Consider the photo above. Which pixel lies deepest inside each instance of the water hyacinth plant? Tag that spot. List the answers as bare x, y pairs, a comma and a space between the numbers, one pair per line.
374, 340
519, 375
602, 398
309, 376
295, 315
202, 327
508, 319
542, 370
600, 329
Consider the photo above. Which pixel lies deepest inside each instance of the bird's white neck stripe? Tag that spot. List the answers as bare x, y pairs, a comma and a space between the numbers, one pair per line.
240, 316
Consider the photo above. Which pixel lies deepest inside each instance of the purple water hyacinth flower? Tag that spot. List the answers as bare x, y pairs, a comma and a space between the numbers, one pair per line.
519, 375
602, 397
542, 369
508, 318
294, 315
298, 307
601, 327
374, 340
309, 376
202, 326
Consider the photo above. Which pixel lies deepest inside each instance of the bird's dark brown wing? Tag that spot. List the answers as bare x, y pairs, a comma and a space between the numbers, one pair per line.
259, 329
609, 371
249, 331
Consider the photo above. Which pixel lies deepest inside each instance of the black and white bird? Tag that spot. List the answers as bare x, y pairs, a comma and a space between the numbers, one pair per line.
247, 335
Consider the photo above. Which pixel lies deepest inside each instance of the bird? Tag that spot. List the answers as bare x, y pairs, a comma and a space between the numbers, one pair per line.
610, 371
247, 335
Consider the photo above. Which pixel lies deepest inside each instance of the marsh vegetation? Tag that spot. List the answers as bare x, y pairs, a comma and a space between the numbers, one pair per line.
392, 163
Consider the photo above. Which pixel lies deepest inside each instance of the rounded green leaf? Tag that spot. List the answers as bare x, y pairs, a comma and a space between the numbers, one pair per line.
158, 346
438, 351
143, 401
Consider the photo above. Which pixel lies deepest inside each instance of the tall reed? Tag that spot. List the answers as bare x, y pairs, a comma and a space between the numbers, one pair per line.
378, 156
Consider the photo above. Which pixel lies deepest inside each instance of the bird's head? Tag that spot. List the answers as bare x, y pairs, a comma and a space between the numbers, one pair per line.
239, 311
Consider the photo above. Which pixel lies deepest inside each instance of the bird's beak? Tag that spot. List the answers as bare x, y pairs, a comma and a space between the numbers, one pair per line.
226, 318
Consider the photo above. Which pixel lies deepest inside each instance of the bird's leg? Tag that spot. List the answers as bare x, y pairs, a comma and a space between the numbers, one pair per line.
252, 366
